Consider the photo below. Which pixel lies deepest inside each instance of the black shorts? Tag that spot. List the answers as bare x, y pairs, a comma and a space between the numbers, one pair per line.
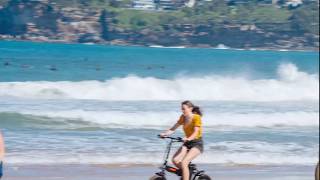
198, 143
1, 169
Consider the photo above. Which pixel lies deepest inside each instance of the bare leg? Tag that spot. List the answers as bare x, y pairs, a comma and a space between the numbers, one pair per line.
178, 156
192, 154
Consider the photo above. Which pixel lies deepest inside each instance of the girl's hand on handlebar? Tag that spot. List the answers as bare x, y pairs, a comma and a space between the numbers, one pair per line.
162, 135
166, 133
185, 139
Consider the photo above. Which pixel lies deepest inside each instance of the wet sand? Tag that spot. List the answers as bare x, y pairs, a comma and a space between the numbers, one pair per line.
141, 172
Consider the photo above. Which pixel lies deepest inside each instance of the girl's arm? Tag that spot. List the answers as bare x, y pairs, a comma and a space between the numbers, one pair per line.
193, 135
170, 131
2, 150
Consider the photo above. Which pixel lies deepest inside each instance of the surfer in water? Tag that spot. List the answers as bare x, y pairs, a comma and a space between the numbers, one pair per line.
1, 154
193, 144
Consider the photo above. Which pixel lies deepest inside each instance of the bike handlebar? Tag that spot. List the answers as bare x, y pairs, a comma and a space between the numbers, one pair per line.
179, 139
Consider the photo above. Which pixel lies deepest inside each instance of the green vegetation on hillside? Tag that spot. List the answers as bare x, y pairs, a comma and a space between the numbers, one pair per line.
256, 20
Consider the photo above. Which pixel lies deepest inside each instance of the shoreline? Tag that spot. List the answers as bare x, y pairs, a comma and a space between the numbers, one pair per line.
139, 172
169, 47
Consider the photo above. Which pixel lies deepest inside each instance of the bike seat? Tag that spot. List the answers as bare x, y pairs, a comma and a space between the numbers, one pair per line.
192, 166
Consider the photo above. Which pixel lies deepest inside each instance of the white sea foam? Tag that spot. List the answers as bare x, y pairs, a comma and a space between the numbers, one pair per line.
291, 85
106, 119
228, 153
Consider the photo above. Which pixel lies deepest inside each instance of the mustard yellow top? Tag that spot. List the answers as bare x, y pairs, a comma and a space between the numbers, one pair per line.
188, 128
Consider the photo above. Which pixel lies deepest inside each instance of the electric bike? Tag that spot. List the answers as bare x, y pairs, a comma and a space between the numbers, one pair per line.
195, 174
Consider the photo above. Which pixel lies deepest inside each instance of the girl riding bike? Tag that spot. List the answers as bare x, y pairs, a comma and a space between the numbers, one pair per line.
193, 143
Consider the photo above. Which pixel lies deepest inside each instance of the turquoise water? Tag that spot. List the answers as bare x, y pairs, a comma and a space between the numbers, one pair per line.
74, 62
73, 103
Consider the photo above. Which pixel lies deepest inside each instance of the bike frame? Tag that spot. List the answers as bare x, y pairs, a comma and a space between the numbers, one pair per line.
167, 153
193, 172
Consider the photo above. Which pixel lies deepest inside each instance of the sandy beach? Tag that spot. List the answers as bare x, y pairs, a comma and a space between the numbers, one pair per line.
140, 172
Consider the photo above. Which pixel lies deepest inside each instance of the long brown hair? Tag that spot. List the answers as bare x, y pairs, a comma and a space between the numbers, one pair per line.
195, 109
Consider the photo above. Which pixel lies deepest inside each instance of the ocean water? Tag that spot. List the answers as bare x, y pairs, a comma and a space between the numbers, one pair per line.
94, 104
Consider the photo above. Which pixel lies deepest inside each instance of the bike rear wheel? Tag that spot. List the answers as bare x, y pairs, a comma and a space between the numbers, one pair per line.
203, 177
157, 177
